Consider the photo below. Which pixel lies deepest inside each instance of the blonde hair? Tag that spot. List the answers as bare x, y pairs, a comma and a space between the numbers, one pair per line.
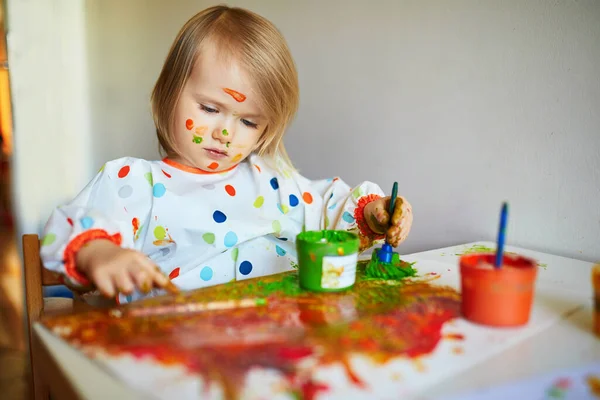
262, 52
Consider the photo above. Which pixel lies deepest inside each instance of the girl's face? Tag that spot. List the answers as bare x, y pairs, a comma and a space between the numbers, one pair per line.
218, 122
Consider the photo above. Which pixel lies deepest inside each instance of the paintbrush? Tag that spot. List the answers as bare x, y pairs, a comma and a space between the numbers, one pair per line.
188, 308
386, 252
501, 235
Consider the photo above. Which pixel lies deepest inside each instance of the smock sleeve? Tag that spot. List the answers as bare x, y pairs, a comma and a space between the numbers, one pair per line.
113, 206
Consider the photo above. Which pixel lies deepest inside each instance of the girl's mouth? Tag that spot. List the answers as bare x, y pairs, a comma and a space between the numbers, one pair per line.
215, 153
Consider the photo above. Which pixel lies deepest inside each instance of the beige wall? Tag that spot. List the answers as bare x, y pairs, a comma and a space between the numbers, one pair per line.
466, 103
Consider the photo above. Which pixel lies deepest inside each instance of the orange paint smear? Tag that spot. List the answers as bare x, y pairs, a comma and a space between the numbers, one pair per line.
213, 166
135, 223
239, 97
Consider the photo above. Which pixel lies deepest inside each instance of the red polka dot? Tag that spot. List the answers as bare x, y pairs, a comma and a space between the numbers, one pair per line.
307, 197
166, 174
123, 172
70, 221
230, 190
174, 274
189, 124
257, 167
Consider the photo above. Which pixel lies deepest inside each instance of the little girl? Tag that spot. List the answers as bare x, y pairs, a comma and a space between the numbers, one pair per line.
225, 203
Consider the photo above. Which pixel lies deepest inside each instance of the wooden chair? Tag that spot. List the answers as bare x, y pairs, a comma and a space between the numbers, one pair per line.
36, 277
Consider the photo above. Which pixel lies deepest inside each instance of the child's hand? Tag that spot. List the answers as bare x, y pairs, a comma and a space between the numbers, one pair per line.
377, 217
116, 270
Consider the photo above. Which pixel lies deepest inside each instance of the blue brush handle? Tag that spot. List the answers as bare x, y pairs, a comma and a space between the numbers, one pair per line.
501, 235
386, 252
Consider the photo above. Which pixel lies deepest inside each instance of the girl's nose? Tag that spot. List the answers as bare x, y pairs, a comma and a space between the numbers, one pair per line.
223, 134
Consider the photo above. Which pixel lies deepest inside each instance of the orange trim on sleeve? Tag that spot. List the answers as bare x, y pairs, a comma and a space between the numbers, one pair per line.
76, 244
359, 216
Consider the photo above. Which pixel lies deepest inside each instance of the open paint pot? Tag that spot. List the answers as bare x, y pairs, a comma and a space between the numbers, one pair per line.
327, 260
596, 286
497, 296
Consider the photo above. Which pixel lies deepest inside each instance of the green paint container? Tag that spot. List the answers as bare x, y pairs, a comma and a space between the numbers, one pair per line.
327, 260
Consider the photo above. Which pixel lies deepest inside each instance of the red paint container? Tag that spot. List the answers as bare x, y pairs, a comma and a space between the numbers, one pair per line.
497, 297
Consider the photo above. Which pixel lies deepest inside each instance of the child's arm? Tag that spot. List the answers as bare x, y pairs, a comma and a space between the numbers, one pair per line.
104, 217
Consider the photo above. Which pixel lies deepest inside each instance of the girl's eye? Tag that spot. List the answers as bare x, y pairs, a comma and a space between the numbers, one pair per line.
249, 124
208, 109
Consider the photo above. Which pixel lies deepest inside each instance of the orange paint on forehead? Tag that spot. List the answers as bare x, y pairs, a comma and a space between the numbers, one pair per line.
239, 97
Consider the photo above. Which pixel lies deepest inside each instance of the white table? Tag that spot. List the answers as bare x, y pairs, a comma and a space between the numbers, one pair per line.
568, 343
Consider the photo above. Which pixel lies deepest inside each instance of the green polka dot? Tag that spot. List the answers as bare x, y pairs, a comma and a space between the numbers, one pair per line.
259, 202
357, 193
149, 178
48, 239
197, 139
209, 237
234, 254
284, 209
160, 233
277, 226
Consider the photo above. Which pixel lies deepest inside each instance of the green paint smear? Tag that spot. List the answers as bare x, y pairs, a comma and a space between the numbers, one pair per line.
234, 254
149, 178
357, 193
197, 139
137, 234
396, 270
225, 133
48, 239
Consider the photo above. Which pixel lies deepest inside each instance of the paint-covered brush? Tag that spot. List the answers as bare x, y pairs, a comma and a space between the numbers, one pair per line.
385, 263
501, 235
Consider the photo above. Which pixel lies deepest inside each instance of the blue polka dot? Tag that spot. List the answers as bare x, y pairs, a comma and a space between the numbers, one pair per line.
283, 239
206, 274
230, 239
348, 217
293, 200
331, 207
159, 190
87, 222
129, 298
245, 267
280, 251
274, 184
331, 196
219, 217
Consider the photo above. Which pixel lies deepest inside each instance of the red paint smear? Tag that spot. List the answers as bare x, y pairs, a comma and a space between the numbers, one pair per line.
123, 172
166, 174
213, 166
174, 274
135, 223
292, 328
189, 124
236, 95
230, 190
455, 336
70, 221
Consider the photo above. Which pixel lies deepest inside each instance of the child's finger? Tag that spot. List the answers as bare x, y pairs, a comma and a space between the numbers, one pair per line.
397, 216
123, 282
105, 285
142, 280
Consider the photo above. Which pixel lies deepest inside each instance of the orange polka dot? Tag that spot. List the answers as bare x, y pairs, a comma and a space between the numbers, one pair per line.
257, 167
166, 174
123, 172
189, 124
174, 274
213, 166
230, 190
307, 197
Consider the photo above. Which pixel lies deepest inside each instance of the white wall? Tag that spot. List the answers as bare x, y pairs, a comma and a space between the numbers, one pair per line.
465, 102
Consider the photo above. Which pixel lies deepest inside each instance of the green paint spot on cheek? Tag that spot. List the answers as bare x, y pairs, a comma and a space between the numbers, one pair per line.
209, 238
160, 233
225, 133
149, 178
234, 254
48, 239
276, 226
197, 139
259, 202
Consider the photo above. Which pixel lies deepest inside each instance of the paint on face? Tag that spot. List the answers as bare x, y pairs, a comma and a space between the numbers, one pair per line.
239, 97
225, 133
213, 166
372, 319
201, 130
197, 139
227, 144
237, 158
189, 124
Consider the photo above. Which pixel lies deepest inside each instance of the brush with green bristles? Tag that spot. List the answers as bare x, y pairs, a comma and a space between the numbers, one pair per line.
385, 263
